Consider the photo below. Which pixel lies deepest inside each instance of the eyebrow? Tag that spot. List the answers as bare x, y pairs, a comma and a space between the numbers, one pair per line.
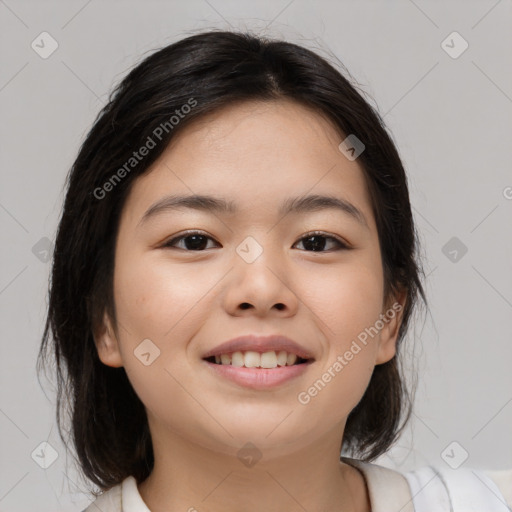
297, 205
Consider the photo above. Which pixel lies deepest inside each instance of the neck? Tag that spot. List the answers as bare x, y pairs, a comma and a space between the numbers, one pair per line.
190, 477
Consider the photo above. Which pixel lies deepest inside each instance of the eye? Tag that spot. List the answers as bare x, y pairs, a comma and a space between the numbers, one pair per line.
198, 241
317, 241
193, 241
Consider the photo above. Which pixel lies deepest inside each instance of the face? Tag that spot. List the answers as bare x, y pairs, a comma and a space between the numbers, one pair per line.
187, 280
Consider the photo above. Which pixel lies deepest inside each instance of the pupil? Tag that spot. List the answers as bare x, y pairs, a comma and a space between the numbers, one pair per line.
199, 242
318, 244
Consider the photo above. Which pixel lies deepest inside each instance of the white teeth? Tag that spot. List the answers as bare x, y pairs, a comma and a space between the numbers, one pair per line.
281, 358
252, 359
237, 359
269, 360
291, 359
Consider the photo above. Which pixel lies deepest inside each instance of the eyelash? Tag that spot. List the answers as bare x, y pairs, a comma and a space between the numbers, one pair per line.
186, 234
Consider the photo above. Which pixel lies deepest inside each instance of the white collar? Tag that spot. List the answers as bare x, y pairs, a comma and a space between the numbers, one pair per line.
131, 498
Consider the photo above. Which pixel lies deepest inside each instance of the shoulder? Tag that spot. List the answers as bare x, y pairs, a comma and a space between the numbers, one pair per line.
464, 489
388, 489
503, 479
433, 488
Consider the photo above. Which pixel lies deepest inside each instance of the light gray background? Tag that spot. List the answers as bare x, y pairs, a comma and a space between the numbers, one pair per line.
451, 119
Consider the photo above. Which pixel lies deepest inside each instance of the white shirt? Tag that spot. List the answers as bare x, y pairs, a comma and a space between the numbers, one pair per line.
428, 489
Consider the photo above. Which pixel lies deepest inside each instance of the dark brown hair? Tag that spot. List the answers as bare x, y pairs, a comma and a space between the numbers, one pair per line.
209, 70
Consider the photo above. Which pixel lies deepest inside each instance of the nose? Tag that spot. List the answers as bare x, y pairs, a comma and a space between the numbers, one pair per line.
260, 288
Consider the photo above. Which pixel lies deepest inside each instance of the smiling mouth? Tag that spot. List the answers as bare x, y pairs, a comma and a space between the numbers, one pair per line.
257, 360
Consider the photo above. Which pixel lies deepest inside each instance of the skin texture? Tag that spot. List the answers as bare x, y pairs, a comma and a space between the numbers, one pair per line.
189, 301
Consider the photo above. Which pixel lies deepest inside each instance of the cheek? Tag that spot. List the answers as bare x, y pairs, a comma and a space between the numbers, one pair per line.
347, 301
348, 309
158, 299
166, 304
155, 301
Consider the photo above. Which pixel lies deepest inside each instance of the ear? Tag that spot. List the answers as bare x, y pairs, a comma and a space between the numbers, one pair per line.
392, 318
107, 344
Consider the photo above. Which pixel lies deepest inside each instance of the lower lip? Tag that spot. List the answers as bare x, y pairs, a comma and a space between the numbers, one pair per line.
259, 378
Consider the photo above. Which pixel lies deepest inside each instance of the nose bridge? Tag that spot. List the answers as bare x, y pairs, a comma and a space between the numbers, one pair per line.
257, 247
259, 257
260, 277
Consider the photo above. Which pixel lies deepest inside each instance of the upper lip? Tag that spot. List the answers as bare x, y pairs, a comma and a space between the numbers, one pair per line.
259, 344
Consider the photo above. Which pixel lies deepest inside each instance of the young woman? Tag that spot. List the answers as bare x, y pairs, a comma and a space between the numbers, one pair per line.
233, 278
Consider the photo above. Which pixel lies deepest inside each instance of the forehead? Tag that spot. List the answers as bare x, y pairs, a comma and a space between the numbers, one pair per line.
271, 126
255, 154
